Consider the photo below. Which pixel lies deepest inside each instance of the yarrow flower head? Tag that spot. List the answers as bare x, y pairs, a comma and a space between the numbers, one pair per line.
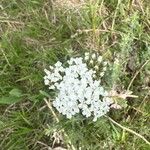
77, 90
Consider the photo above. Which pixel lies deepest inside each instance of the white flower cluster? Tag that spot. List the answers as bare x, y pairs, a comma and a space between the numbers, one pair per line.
96, 62
77, 90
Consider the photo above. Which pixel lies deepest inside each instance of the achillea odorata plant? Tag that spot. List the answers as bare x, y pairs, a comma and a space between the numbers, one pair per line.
79, 88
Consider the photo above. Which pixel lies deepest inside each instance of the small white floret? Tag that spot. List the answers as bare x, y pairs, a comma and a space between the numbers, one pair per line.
99, 59
93, 56
86, 54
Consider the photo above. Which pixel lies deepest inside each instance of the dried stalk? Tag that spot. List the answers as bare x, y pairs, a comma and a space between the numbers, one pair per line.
127, 129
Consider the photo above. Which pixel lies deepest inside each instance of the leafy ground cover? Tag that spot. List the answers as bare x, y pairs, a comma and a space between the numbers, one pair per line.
35, 34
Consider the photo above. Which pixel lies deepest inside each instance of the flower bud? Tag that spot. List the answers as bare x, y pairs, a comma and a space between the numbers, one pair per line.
46, 71
99, 59
46, 81
52, 87
105, 68
51, 67
116, 61
86, 54
86, 58
91, 62
94, 76
96, 67
102, 74
93, 56
105, 63
115, 106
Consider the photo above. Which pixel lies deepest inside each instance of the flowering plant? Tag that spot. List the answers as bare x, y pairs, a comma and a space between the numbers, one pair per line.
78, 90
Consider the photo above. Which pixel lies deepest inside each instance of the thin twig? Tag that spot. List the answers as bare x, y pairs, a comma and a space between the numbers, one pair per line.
137, 74
11, 21
138, 109
129, 130
51, 109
